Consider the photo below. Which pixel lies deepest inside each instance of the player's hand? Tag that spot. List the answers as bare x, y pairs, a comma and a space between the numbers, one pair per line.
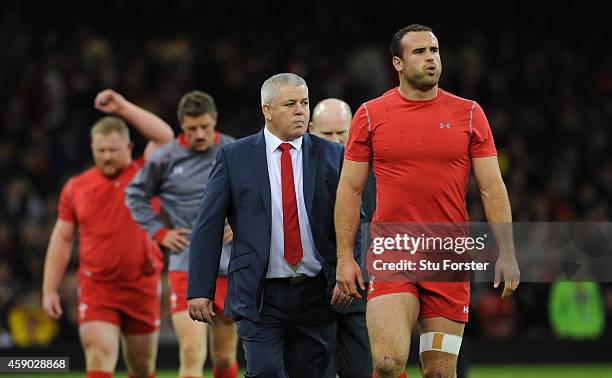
52, 305
201, 309
347, 273
175, 239
339, 299
507, 268
110, 101
228, 234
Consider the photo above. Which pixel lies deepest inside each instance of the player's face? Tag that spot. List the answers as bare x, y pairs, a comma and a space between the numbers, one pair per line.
111, 153
200, 131
288, 115
331, 126
420, 65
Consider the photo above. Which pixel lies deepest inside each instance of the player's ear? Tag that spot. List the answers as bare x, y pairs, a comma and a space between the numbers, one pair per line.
397, 63
265, 108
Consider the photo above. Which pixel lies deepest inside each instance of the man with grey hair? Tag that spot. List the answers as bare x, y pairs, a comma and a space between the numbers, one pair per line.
331, 119
277, 189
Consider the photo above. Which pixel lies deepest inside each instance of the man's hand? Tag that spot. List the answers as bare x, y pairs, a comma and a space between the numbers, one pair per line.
110, 101
347, 273
175, 239
507, 268
339, 299
228, 234
201, 309
51, 304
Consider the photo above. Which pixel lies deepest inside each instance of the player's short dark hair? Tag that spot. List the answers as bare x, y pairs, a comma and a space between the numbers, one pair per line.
194, 104
396, 48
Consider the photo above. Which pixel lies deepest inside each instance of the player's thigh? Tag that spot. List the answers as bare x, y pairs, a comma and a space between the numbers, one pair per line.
191, 334
438, 360
390, 319
140, 351
100, 340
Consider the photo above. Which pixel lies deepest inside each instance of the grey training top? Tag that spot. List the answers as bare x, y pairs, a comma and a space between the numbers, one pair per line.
178, 175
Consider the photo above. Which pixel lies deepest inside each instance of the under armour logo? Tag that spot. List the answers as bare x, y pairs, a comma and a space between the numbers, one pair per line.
445, 125
466, 309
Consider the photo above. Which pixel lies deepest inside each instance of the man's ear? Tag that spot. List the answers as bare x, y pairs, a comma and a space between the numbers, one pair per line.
397, 63
265, 108
309, 127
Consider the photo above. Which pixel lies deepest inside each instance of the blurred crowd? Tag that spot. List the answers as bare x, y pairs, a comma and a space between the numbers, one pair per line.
549, 105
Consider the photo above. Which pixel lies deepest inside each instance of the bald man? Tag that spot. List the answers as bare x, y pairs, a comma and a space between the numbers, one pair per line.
331, 119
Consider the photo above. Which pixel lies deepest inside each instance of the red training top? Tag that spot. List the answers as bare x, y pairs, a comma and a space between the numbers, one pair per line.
421, 154
113, 247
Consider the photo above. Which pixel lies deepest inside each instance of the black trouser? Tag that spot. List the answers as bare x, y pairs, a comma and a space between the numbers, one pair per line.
295, 336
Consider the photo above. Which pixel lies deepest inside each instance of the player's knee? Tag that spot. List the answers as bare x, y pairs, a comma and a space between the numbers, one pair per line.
99, 356
193, 354
388, 366
223, 359
141, 368
438, 371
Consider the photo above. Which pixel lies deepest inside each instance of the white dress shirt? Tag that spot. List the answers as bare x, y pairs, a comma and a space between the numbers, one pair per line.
278, 267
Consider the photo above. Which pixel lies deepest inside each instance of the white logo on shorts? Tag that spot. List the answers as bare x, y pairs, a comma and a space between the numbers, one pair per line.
466, 309
82, 309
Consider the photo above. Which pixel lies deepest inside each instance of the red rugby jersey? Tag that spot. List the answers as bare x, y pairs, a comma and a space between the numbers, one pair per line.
112, 246
421, 154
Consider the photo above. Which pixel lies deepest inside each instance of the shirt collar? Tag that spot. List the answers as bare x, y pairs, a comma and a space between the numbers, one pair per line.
272, 141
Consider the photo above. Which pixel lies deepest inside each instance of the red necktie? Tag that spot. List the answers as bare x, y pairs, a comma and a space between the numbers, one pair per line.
291, 224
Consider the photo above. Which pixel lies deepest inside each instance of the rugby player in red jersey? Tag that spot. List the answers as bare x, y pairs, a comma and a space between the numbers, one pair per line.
422, 142
119, 264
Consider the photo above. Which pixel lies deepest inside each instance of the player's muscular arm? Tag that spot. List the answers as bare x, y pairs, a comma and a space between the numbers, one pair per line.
155, 129
499, 215
56, 261
352, 182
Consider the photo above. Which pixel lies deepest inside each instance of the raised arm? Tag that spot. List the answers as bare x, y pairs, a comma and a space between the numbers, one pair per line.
56, 261
499, 215
347, 217
153, 128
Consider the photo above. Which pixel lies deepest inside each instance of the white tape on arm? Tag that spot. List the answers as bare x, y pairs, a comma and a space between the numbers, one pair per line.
442, 342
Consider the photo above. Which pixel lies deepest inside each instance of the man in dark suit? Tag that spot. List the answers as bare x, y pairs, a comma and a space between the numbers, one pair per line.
277, 188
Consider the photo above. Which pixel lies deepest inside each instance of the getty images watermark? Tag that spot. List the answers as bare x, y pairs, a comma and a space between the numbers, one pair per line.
424, 244
462, 252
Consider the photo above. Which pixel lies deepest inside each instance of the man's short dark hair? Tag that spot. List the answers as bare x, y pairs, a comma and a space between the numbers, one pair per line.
396, 48
194, 104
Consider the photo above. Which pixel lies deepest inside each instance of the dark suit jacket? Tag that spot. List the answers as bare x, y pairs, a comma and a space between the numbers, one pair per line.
239, 189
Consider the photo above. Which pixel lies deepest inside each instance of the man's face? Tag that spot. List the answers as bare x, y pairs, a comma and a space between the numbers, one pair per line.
332, 125
199, 131
420, 64
289, 112
111, 152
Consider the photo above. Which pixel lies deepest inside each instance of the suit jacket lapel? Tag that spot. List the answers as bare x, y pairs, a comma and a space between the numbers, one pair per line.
309, 160
260, 166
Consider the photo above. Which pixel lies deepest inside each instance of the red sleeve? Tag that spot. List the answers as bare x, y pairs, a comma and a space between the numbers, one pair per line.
65, 207
359, 146
160, 235
140, 162
481, 138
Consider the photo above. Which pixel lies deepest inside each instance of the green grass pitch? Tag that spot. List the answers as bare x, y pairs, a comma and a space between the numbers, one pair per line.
479, 371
